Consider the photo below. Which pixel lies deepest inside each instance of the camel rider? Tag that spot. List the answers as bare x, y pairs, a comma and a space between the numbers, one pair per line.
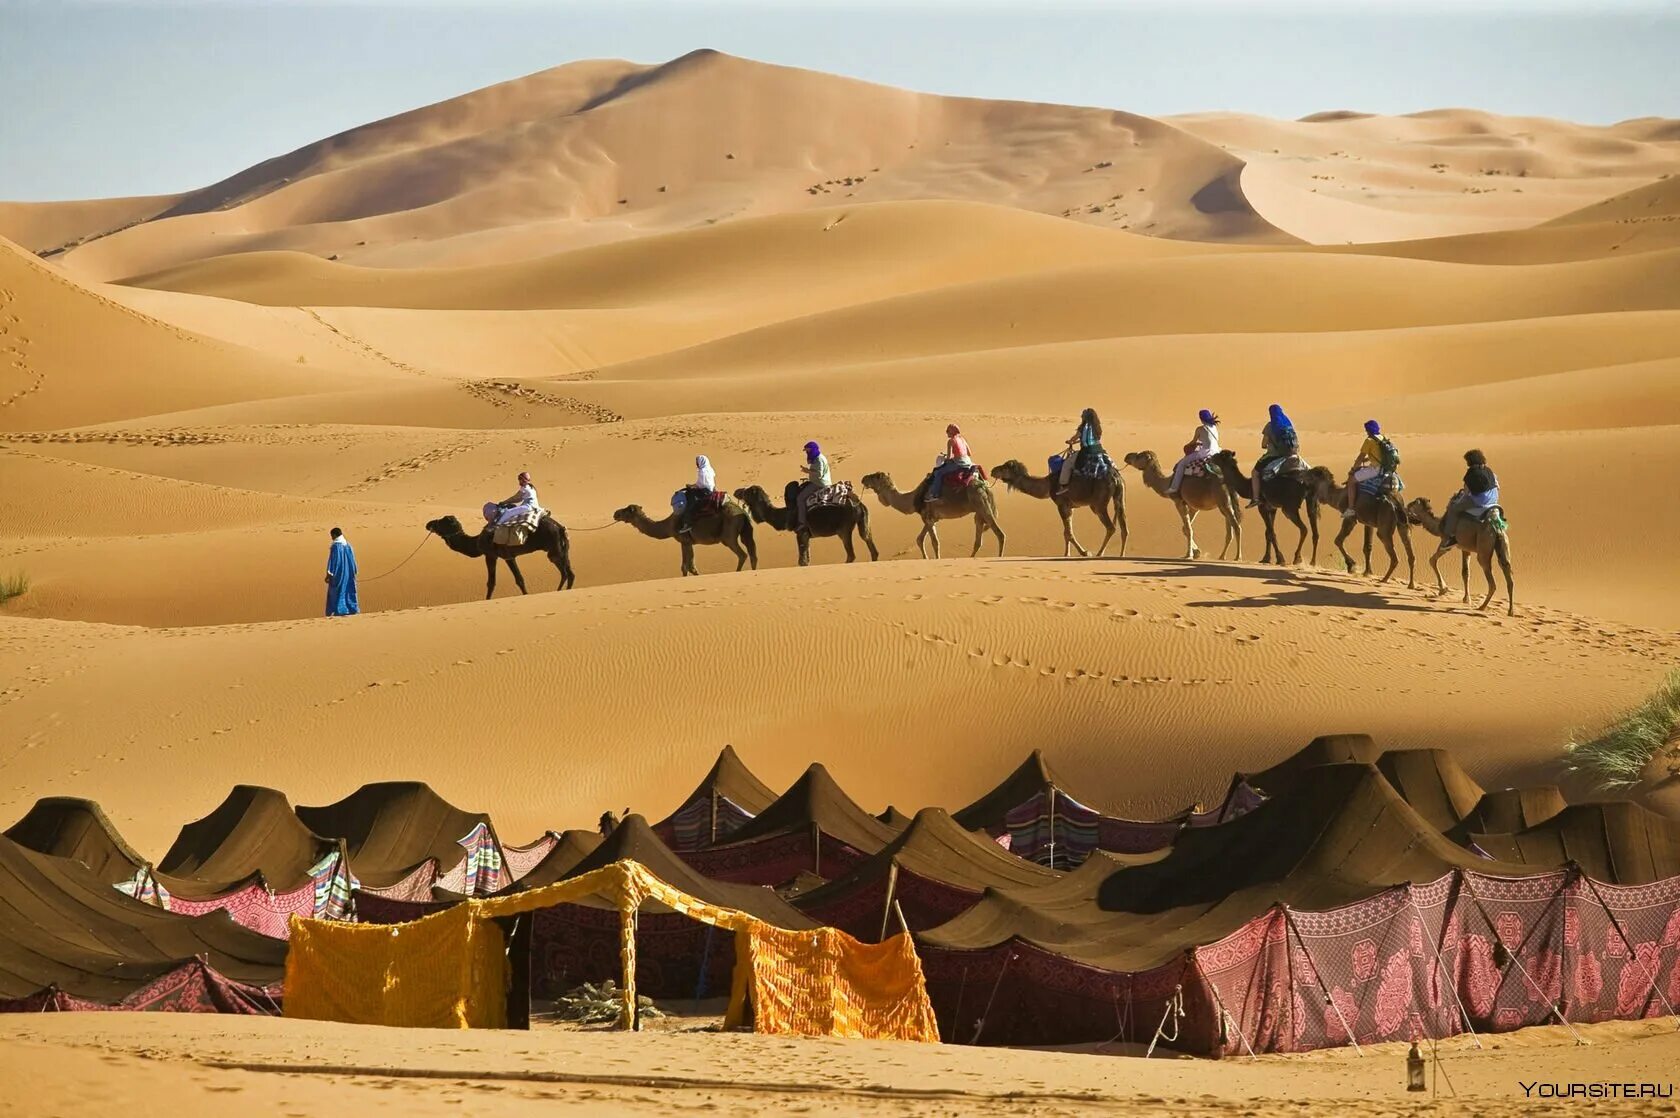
523, 503
1087, 440
1480, 493
685, 503
1279, 444
955, 459
1378, 458
817, 478
1204, 444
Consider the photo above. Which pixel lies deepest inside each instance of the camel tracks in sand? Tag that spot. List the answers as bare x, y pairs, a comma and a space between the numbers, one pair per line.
404, 466
502, 393
366, 348
18, 379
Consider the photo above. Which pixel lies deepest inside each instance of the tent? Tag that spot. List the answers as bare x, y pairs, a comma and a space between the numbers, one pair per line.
1619, 841
932, 872
403, 839
66, 934
1433, 783
1032, 810
813, 827
68, 827
1510, 810
726, 798
452, 969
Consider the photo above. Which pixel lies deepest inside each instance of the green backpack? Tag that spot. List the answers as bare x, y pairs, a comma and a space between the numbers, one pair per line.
1390, 461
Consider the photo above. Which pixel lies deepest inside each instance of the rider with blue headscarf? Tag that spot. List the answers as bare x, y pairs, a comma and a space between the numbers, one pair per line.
1278, 445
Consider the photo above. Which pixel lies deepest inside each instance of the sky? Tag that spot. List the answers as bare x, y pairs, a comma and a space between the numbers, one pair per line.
109, 98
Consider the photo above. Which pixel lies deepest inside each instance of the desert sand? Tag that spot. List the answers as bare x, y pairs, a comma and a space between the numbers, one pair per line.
597, 272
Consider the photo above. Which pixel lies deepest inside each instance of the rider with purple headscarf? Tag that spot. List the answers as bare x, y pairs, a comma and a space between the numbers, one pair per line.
817, 478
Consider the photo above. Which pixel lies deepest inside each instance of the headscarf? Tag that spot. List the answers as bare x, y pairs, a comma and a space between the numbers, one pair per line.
953, 430
524, 478
1279, 420
1208, 418
1373, 428
812, 450
702, 461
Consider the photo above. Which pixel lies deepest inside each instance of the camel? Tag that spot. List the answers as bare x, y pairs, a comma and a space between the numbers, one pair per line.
972, 500
731, 527
828, 520
1283, 493
1375, 513
1485, 538
1092, 493
549, 538
1197, 494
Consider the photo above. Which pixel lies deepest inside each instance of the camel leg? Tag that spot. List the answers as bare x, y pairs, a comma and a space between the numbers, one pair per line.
1294, 516
932, 531
803, 539
1411, 558
1120, 518
1312, 518
921, 539
1101, 509
1463, 575
1393, 558
997, 530
490, 582
979, 534
561, 557
1268, 517
1440, 583
1233, 530
740, 553
1187, 522
1369, 531
518, 579
1484, 556
1070, 542
1341, 536
868, 536
559, 565
688, 567
1502, 551
846, 540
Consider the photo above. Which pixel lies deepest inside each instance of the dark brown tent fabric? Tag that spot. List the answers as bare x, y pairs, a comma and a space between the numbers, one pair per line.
1510, 810
392, 828
68, 827
815, 799
1433, 783
726, 797
934, 871
251, 833
63, 926
1031, 777
1327, 749
557, 865
1341, 833
893, 817
1620, 842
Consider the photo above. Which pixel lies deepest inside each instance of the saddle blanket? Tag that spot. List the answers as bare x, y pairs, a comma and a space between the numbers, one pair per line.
1377, 484
1278, 466
840, 493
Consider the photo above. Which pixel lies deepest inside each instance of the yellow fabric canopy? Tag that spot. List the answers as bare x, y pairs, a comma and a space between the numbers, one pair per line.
449, 970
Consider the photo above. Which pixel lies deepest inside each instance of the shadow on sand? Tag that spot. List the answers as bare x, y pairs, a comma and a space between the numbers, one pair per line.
1299, 587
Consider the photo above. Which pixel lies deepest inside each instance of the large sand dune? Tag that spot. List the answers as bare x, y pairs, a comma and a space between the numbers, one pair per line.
388, 325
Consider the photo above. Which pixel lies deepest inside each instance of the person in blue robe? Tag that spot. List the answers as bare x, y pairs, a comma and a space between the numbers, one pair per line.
341, 577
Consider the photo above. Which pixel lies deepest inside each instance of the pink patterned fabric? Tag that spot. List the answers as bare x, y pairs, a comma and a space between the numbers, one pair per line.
255, 907
417, 886
521, 860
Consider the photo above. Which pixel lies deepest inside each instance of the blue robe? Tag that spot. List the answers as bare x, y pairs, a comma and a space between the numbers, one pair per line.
341, 584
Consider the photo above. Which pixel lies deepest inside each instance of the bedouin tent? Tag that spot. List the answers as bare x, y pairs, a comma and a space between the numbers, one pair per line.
69, 940
1032, 811
69, 827
1619, 841
726, 798
1293, 927
577, 942
404, 839
451, 969
813, 828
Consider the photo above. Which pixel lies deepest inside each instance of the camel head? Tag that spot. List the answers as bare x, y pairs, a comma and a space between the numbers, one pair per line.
1010, 473
1418, 508
1321, 479
445, 526
629, 514
1143, 460
878, 481
756, 500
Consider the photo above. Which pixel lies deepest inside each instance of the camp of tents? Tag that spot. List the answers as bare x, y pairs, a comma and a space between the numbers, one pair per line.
1344, 896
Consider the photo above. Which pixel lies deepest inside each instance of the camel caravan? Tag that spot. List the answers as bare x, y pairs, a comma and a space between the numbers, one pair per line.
1207, 477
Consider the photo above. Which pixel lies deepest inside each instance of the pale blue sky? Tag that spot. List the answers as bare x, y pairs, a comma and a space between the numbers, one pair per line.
110, 98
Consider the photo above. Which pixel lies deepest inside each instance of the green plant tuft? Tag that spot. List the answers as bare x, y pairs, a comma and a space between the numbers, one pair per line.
13, 586
1619, 757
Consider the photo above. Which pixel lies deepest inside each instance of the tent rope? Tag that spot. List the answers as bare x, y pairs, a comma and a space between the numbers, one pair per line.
1175, 1013
1633, 956
1512, 955
1440, 967
980, 1025
1289, 921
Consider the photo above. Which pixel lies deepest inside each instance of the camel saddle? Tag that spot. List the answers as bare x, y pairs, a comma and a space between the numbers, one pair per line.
840, 493
963, 478
516, 532
1207, 467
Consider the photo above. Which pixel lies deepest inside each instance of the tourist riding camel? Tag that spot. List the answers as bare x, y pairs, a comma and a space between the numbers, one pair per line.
817, 476
697, 499
955, 459
836, 511
731, 525
1097, 493
1483, 536
1375, 472
1280, 451
1379, 513
1285, 492
974, 499
548, 538
1478, 497
1084, 451
1204, 444
1196, 493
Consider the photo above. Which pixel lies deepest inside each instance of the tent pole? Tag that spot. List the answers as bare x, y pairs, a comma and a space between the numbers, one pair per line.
816, 848
886, 908
1632, 957
1319, 978
1441, 966
1226, 1014
980, 1025
713, 840
628, 1018
1052, 826
1533, 985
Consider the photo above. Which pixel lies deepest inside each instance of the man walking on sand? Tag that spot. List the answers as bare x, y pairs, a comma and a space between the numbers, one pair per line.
341, 577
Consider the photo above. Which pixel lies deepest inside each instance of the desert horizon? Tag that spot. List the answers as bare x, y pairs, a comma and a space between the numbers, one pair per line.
596, 272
